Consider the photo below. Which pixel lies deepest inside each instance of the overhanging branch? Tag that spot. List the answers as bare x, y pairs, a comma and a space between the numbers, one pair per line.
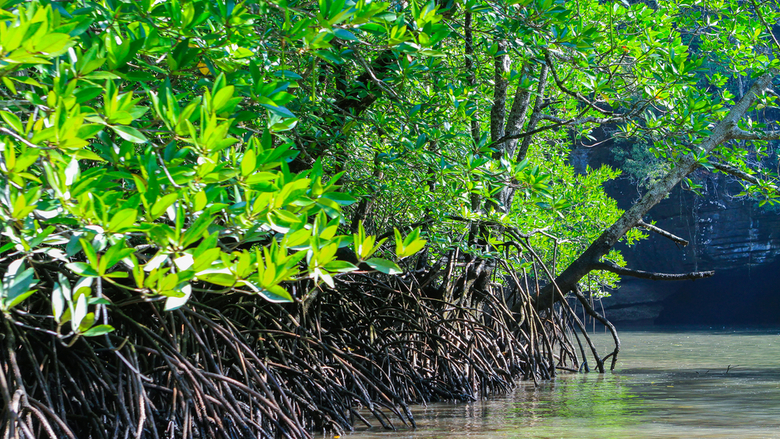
740, 134
742, 175
581, 266
569, 92
614, 268
662, 232
557, 123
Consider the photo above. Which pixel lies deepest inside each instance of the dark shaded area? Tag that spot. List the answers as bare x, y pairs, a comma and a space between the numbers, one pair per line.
733, 236
745, 296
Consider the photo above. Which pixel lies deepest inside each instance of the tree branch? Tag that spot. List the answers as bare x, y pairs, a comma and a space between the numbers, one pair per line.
582, 120
742, 175
734, 171
569, 92
766, 25
662, 232
371, 75
740, 134
558, 122
21, 139
580, 267
623, 271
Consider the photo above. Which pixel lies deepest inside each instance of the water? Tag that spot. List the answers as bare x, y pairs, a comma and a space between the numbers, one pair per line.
673, 384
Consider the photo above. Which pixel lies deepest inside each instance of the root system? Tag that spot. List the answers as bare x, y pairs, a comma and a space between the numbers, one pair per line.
236, 366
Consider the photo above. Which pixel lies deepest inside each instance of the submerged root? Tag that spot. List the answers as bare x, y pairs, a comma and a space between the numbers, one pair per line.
235, 366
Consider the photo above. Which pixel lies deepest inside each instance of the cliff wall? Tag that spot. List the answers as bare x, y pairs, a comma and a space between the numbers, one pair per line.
729, 234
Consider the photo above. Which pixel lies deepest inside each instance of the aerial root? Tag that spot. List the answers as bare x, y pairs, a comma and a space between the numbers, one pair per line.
235, 366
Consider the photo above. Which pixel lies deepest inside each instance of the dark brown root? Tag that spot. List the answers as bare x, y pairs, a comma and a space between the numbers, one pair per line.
235, 366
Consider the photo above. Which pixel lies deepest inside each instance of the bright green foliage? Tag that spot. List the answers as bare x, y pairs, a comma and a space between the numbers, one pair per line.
653, 74
147, 147
189, 155
143, 156
410, 245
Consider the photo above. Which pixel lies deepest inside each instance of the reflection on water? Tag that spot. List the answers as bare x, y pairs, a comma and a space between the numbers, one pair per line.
691, 384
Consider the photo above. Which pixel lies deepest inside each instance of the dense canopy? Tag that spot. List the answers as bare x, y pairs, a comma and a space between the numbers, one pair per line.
226, 219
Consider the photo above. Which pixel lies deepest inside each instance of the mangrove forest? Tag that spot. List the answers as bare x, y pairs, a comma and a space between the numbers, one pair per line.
288, 218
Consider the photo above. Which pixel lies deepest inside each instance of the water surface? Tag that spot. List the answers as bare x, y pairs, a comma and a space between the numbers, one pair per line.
670, 384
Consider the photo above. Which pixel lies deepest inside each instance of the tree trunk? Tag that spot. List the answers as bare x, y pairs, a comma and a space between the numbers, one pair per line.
578, 269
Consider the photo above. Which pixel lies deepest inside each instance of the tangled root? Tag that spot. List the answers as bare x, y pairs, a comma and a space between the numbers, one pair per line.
235, 366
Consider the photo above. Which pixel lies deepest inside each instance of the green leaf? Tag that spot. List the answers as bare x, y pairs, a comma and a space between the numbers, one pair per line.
260, 177
101, 75
87, 321
80, 311
339, 267
16, 282
59, 294
223, 278
173, 303
98, 330
84, 154
161, 205
249, 162
204, 259
410, 245
114, 254
196, 230
277, 109
384, 266
122, 220
13, 120
86, 246
340, 198
274, 294
345, 35
399, 242
82, 269
414, 247
129, 133
9, 303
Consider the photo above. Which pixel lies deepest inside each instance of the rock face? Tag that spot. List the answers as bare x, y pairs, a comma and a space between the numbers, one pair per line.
733, 236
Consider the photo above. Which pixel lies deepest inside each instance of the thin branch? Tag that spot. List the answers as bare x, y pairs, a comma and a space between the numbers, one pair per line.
14, 103
167, 173
614, 268
662, 232
569, 92
740, 134
584, 120
766, 25
21, 139
379, 83
559, 123
742, 175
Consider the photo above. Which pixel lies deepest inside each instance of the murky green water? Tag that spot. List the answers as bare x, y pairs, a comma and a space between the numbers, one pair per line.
689, 384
